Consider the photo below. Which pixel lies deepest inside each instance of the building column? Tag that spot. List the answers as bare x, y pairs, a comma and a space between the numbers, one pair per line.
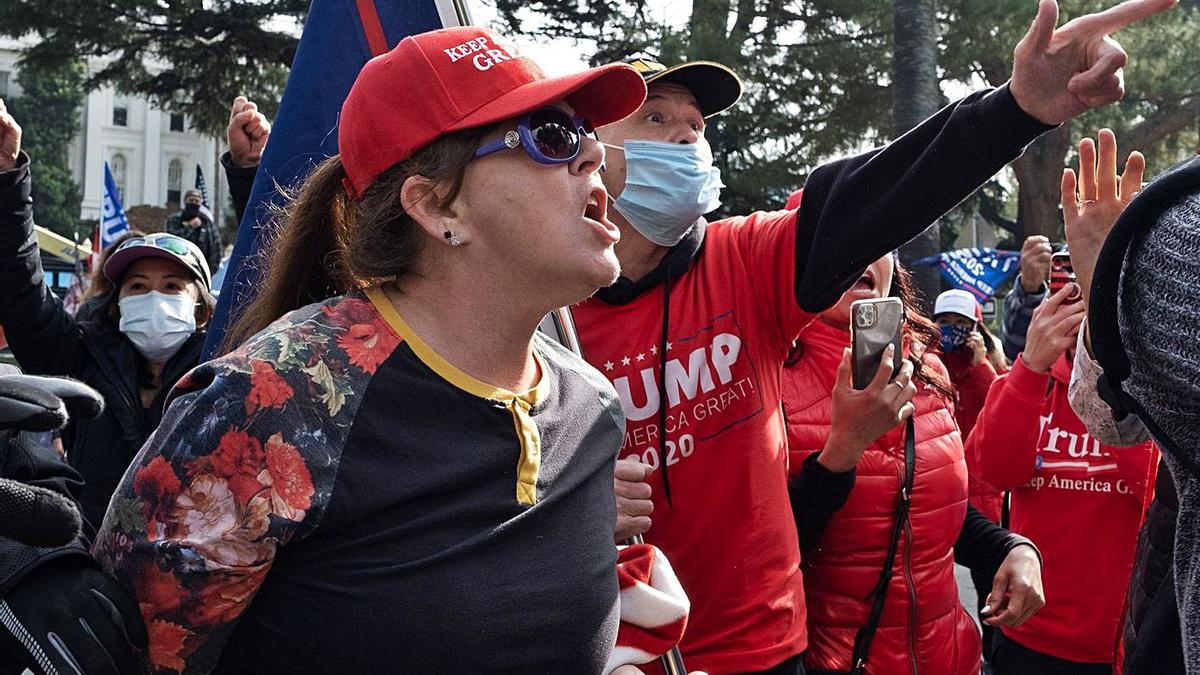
152, 174
97, 111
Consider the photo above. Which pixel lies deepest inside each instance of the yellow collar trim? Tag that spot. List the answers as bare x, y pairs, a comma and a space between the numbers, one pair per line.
447, 370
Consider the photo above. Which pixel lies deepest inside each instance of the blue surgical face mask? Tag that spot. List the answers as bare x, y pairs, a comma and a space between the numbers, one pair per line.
954, 337
668, 187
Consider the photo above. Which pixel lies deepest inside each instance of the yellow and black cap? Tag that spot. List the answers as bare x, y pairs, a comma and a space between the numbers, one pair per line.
716, 87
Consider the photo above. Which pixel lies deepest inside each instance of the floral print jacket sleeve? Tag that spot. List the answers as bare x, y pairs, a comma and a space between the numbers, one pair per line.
243, 463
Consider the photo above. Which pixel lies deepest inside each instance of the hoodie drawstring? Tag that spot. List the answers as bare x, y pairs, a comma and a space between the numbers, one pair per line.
662, 386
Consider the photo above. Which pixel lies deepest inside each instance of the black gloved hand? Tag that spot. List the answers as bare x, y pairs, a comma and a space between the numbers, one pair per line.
33, 403
69, 618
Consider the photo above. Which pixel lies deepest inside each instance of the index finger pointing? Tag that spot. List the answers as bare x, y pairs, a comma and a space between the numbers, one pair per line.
1115, 18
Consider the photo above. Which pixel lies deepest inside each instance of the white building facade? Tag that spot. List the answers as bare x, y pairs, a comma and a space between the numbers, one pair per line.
153, 154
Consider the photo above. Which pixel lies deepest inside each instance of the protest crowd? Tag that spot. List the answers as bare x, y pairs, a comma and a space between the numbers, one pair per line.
750, 445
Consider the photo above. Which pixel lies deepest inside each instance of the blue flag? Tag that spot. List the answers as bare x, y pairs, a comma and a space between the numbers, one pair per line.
339, 37
201, 186
113, 222
979, 271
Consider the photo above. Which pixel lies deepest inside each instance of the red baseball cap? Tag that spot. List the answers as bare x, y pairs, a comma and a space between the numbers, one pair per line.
459, 78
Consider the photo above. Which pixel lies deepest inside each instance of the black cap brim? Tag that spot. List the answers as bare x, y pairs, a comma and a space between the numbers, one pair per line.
716, 87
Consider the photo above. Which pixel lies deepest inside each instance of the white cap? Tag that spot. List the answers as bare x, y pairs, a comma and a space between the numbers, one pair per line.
957, 302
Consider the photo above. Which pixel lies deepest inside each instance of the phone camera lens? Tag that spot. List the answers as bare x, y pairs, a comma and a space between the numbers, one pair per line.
865, 317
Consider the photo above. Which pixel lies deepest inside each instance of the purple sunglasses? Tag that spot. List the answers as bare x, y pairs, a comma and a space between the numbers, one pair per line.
548, 135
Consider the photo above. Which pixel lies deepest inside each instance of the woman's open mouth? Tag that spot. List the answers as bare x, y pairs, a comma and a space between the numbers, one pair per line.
596, 210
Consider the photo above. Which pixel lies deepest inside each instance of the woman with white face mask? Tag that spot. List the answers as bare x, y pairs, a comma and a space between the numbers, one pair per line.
146, 335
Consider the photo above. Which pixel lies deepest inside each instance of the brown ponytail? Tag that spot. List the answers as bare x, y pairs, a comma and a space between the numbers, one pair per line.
322, 243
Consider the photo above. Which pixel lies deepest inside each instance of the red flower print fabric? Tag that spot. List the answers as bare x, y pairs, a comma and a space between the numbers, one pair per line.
242, 464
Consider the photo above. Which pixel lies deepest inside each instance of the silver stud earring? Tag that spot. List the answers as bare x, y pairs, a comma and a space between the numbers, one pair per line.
455, 241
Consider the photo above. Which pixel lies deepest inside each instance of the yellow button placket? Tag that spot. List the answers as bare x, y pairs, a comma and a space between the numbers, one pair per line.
531, 451
519, 405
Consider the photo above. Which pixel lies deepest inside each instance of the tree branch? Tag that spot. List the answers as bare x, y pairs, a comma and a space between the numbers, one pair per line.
991, 213
1163, 123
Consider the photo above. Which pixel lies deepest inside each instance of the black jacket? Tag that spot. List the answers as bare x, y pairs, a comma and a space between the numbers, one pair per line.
46, 340
1153, 639
241, 183
206, 237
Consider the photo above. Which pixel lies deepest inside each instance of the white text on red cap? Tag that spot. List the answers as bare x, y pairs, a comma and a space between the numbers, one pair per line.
484, 61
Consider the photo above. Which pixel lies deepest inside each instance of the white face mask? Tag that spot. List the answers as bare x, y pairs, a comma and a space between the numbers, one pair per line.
157, 323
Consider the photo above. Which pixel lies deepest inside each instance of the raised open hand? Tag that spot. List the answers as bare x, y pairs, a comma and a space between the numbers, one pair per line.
1092, 204
1060, 73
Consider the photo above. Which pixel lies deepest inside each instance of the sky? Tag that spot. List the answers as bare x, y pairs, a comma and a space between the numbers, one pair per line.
561, 57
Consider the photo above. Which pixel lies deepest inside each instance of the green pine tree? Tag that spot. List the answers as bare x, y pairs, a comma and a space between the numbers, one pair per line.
48, 111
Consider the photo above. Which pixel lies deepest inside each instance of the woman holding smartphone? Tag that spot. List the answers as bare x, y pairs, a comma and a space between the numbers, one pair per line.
879, 568
392, 469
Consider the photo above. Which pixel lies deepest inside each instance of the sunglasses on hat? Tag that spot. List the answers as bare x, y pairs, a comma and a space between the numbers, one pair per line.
171, 244
548, 135
180, 249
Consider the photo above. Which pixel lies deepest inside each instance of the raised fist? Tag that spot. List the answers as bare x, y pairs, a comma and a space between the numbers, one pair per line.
10, 139
247, 133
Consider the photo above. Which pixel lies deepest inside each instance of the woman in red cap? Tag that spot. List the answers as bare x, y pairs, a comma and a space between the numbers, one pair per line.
142, 337
391, 470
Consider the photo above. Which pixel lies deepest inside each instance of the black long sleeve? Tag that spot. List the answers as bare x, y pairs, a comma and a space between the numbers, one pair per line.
856, 209
816, 494
43, 336
241, 183
982, 545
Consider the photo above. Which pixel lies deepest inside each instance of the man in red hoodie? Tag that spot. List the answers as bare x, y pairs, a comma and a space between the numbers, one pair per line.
1077, 498
695, 333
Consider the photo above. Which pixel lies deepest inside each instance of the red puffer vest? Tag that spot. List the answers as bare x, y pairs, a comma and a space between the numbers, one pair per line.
924, 629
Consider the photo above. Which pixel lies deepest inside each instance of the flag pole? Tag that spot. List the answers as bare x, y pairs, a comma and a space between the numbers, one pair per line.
564, 323
453, 13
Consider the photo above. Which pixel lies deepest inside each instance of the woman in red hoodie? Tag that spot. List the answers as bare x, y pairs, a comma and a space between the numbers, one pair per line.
1079, 499
837, 435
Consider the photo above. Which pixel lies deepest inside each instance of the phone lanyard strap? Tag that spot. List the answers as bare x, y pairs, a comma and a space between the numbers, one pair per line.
878, 595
